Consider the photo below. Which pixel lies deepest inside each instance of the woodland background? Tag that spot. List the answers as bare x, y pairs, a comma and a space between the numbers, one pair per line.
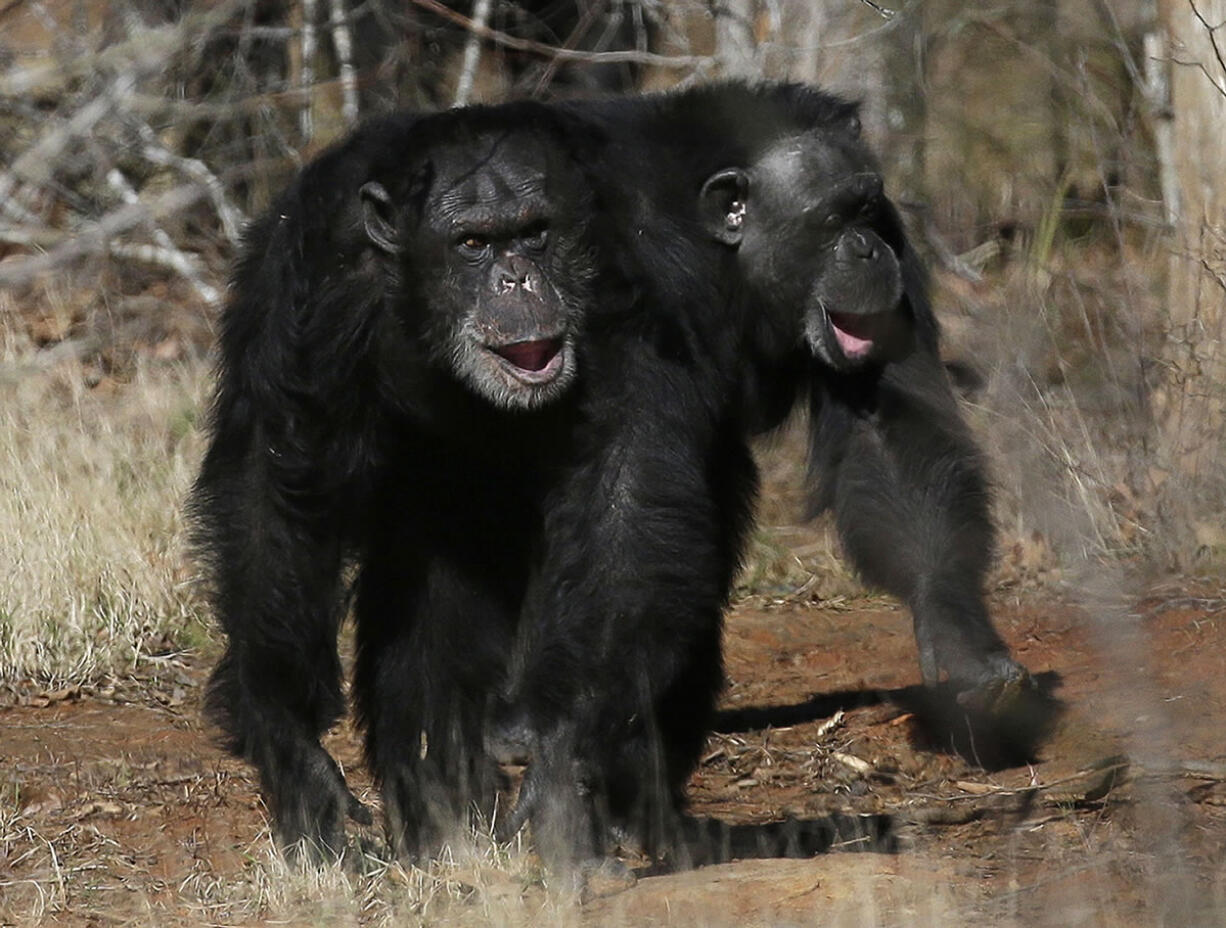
1061, 164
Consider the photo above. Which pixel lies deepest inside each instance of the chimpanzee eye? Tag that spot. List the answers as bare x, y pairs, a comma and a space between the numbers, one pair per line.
536, 236
473, 244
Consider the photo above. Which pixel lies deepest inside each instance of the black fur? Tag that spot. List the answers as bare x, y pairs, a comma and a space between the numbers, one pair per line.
568, 551
358, 419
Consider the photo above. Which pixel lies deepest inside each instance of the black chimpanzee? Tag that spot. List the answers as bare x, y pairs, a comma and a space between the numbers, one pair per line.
395, 390
889, 451
755, 221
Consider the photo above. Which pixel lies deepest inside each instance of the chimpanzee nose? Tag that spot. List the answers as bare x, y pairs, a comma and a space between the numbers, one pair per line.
516, 272
860, 245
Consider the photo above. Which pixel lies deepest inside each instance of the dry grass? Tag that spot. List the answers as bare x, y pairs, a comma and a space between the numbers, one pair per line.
91, 488
80, 872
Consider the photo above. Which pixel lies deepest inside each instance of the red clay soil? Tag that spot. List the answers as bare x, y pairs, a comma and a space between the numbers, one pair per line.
117, 805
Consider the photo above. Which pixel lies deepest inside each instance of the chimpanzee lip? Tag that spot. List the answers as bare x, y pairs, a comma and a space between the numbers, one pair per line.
533, 361
856, 333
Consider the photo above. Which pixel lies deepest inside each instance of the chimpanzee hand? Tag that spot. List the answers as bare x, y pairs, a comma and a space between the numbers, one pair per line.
963, 644
998, 689
310, 799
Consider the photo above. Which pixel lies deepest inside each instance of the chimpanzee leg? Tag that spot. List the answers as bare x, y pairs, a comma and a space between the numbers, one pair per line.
898, 466
432, 651
618, 665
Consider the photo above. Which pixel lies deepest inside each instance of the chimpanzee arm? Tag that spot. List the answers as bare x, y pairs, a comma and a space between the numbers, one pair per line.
896, 463
272, 502
277, 688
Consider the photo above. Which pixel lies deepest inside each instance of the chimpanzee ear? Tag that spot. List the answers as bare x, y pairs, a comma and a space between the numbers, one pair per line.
722, 205
379, 217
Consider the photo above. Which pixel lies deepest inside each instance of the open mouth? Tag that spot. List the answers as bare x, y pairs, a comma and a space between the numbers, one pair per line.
857, 334
537, 361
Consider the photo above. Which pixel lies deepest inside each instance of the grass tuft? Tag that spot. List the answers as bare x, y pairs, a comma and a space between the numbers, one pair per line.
91, 488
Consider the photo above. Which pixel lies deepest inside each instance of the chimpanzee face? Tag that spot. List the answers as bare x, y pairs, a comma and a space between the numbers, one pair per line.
818, 244
492, 245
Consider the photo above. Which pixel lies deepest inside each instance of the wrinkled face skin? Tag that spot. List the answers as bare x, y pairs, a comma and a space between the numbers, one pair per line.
494, 251
817, 237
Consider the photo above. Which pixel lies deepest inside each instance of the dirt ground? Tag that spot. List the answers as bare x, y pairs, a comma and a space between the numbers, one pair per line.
118, 807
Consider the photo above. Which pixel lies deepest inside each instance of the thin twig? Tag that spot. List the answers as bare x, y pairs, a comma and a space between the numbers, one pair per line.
580, 30
882, 11
551, 51
305, 124
472, 52
1211, 31
342, 41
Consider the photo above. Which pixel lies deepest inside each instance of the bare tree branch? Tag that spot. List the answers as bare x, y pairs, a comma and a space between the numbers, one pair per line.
33, 166
1156, 88
472, 52
145, 51
580, 30
305, 122
231, 218
882, 11
95, 238
735, 41
1211, 32
679, 62
37, 236
168, 253
342, 40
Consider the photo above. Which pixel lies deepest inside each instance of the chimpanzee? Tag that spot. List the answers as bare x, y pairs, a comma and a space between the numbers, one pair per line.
889, 452
755, 221
395, 389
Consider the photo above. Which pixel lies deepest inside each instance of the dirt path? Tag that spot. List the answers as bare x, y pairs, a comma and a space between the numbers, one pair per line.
116, 806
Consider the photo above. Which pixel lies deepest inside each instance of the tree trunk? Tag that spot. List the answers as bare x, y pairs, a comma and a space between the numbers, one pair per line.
1197, 285
1192, 400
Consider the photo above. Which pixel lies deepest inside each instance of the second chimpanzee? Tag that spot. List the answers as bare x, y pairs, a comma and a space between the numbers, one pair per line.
807, 286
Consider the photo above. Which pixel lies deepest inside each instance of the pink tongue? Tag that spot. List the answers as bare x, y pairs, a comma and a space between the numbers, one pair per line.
531, 356
854, 343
